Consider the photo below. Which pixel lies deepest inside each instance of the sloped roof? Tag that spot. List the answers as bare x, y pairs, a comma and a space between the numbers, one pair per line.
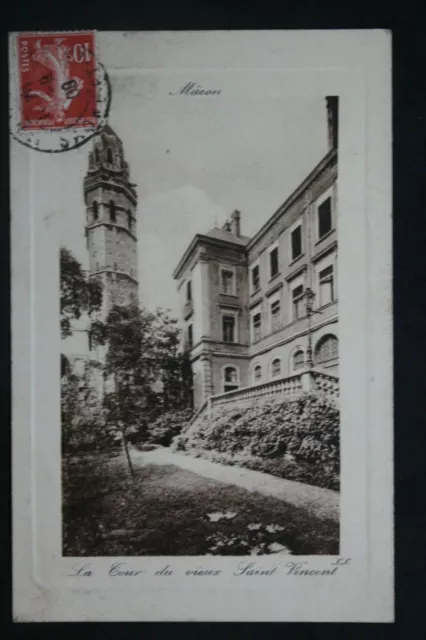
214, 234
227, 236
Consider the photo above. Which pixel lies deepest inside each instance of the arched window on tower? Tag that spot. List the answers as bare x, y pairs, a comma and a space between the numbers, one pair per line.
109, 155
97, 155
230, 379
112, 211
95, 209
326, 349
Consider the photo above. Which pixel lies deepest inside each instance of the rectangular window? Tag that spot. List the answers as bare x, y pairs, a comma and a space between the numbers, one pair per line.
228, 328
227, 281
296, 243
324, 218
231, 379
190, 338
273, 258
297, 297
255, 278
188, 291
275, 315
326, 286
257, 323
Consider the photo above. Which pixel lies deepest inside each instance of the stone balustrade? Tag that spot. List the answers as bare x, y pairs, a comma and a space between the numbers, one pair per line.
312, 380
326, 383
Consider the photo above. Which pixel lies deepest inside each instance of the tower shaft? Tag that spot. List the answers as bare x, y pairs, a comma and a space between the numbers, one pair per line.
111, 225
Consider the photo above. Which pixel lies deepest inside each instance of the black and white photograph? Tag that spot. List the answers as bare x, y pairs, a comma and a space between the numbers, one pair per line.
209, 380
199, 317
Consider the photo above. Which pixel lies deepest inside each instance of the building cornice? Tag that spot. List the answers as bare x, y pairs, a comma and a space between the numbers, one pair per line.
103, 223
294, 336
273, 289
226, 305
110, 182
230, 354
325, 251
118, 273
297, 193
201, 240
255, 303
296, 272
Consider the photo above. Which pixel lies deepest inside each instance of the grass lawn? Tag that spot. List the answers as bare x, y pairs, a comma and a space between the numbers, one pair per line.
169, 511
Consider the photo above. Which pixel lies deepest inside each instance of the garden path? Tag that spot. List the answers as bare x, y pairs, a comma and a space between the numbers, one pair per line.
323, 503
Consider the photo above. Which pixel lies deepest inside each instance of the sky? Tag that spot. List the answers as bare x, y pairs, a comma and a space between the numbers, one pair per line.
194, 160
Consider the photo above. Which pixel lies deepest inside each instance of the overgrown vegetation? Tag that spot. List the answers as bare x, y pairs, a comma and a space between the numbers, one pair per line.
142, 394
295, 439
169, 425
148, 377
167, 511
144, 376
82, 414
80, 295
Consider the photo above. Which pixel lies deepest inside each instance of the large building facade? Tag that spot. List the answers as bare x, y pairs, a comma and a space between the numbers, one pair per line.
264, 307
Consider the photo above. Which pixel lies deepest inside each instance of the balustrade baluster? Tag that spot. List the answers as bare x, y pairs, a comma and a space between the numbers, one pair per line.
289, 386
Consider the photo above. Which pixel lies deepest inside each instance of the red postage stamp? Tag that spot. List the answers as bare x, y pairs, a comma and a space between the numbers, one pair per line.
57, 78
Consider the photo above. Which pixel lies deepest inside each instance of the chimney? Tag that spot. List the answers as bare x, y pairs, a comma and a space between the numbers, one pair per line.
227, 226
236, 223
332, 121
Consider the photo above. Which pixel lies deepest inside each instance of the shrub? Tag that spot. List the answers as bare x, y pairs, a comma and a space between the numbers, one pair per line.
168, 426
306, 429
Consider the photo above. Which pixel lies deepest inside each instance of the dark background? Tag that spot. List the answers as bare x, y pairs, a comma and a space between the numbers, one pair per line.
407, 22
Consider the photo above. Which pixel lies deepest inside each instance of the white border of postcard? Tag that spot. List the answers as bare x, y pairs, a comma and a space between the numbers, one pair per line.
356, 66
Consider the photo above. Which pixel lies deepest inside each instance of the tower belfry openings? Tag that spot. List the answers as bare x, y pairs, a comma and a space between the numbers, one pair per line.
111, 225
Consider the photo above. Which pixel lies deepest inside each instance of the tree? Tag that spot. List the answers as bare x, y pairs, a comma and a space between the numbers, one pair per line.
127, 369
143, 369
79, 295
174, 370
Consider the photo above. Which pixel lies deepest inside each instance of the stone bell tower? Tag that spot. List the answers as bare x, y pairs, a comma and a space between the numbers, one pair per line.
111, 229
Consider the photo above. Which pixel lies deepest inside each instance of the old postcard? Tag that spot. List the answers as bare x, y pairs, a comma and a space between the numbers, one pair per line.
202, 330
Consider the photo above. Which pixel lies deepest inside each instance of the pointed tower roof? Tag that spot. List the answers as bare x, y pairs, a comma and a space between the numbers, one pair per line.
110, 132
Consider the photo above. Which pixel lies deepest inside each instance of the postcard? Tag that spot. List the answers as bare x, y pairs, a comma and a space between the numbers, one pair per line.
202, 329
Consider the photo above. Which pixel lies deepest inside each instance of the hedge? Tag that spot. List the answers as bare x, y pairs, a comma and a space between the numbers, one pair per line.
293, 438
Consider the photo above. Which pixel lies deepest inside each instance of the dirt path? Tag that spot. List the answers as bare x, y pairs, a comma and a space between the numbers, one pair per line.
323, 503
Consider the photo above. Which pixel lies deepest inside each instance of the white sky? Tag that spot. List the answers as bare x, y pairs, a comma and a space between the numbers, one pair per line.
194, 160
